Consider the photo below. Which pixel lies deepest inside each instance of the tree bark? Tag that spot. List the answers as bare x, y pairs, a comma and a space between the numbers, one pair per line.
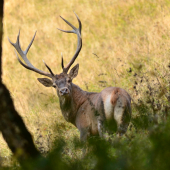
12, 126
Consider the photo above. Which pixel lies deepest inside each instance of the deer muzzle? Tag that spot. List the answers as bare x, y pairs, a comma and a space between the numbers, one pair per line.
64, 91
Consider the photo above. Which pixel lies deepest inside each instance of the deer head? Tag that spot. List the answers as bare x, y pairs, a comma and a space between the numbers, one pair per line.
61, 82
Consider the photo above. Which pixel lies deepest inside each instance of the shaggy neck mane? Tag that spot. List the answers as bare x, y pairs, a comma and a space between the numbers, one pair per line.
70, 105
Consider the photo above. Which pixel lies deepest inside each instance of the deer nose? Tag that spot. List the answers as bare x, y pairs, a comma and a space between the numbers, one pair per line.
64, 91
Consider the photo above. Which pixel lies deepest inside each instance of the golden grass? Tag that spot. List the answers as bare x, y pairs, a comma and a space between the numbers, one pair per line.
122, 33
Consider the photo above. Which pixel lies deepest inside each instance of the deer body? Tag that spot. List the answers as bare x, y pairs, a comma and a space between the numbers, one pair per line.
86, 110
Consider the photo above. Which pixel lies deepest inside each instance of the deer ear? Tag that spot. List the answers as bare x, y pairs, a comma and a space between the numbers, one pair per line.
74, 71
46, 82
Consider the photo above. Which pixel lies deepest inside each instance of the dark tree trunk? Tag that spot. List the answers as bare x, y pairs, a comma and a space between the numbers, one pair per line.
12, 126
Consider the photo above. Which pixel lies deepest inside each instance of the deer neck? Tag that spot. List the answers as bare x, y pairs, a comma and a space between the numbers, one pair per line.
69, 105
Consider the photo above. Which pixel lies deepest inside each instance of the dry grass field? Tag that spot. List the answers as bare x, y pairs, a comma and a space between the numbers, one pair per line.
125, 35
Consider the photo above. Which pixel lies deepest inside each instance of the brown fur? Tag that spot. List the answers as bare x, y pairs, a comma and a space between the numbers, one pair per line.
86, 109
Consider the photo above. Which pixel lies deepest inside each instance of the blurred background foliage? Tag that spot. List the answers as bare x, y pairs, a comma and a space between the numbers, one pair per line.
131, 40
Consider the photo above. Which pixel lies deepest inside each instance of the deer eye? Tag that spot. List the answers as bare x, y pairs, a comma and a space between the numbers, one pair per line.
69, 80
54, 85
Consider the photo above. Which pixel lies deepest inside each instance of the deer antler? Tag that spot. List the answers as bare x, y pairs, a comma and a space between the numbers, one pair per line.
23, 54
79, 43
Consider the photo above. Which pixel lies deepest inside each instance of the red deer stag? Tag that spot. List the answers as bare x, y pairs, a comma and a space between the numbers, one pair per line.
87, 111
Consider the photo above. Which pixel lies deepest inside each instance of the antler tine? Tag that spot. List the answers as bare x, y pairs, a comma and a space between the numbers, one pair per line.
23, 54
48, 68
62, 61
80, 25
79, 39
